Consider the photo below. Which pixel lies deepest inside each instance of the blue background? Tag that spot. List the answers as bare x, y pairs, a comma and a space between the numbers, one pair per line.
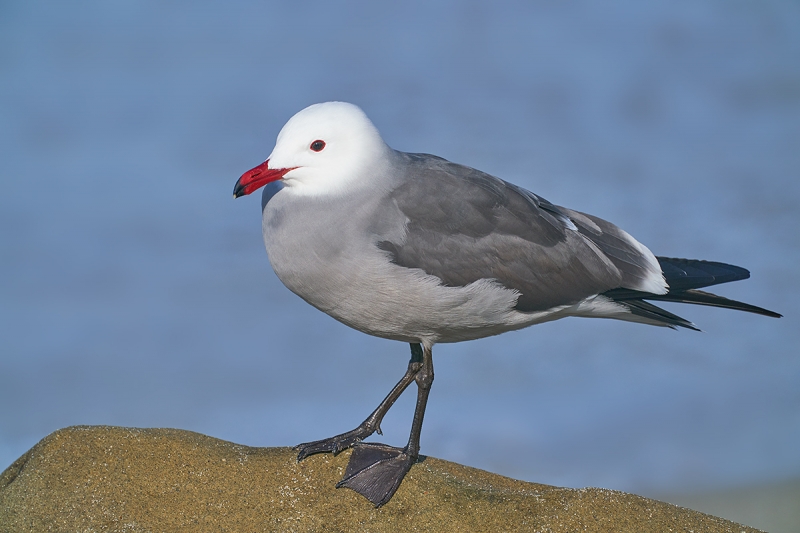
136, 292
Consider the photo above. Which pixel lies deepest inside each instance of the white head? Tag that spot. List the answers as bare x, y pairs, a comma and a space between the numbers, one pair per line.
324, 149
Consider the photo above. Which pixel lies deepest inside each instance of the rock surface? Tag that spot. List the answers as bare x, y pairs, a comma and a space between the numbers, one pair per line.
98, 478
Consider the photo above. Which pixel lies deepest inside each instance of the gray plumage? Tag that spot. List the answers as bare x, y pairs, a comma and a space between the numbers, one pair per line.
464, 225
415, 248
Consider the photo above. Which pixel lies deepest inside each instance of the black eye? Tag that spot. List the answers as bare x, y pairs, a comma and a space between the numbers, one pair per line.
317, 146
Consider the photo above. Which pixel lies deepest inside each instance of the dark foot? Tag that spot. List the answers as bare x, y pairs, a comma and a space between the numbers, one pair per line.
376, 470
333, 445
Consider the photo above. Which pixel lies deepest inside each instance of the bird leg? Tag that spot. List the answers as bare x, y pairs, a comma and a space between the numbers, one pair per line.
376, 470
372, 424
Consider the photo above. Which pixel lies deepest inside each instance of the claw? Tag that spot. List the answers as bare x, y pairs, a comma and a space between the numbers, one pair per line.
376, 470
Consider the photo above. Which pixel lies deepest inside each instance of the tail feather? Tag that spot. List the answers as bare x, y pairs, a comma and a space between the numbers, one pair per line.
684, 277
691, 296
656, 314
682, 274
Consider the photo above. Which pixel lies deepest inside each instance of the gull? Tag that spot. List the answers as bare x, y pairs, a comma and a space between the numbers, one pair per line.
414, 248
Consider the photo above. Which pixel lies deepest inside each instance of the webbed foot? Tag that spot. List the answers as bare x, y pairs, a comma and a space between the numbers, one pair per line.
376, 470
335, 444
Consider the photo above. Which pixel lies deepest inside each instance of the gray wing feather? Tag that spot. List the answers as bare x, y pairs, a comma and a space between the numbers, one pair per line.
617, 245
464, 225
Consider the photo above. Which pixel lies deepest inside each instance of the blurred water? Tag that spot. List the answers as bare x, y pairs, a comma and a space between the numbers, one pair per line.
135, 291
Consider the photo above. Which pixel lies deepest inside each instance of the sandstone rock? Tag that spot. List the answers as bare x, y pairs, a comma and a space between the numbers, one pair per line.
97, 478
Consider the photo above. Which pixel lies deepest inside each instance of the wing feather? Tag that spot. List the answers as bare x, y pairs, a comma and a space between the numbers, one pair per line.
464, 225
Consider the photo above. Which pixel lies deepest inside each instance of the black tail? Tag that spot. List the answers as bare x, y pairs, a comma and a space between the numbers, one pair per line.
684, 277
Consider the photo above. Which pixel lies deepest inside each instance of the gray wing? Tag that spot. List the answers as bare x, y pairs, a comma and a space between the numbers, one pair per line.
464, 225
